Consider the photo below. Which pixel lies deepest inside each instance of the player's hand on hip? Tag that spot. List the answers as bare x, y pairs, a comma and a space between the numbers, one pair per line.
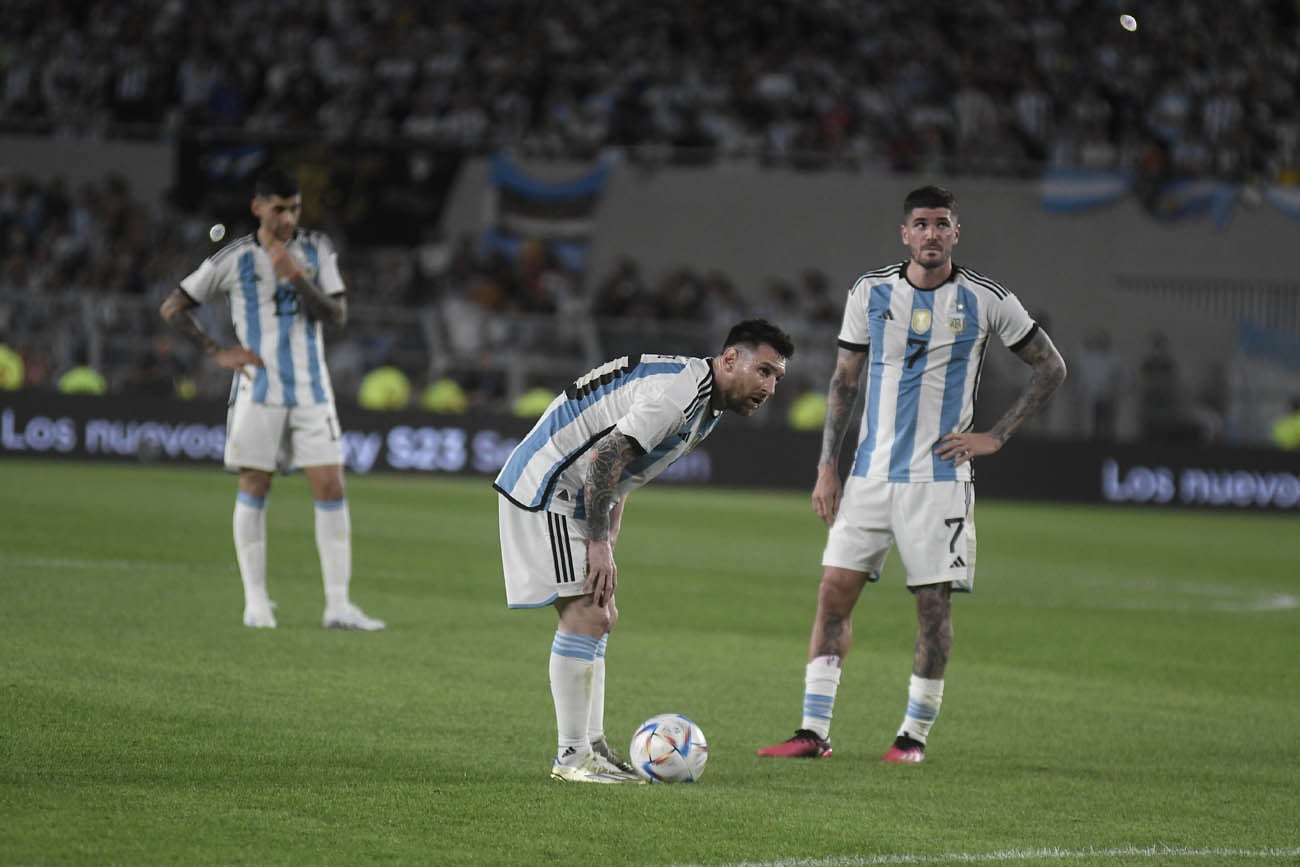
238, 358
961, 447
602, 574
826, 493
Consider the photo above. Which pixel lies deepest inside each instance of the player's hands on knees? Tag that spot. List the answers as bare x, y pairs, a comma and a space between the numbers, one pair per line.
826, 493
602, 574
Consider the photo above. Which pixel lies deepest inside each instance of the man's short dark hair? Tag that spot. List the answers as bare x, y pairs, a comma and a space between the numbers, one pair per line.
276, 181
930, 197
754, 332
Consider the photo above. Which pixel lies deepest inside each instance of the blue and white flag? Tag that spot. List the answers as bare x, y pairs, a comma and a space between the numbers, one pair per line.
1071, 191
562, 215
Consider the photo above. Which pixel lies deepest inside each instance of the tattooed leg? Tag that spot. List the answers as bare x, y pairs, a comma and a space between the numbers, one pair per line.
832, 632
933, 630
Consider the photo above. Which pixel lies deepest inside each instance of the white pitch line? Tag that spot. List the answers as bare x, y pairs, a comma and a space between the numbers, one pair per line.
1021, 855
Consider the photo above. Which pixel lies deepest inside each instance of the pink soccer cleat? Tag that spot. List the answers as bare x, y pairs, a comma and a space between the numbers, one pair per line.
804, 745
905, 751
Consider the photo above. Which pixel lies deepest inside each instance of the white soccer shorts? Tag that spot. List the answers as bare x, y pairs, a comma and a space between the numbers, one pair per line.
270, 438
932, 523
544, 555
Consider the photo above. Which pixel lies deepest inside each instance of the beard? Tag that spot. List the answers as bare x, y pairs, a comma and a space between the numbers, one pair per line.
938, 258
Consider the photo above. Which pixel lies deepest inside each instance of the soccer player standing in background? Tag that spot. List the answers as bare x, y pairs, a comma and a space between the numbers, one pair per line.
920, 328
563, 490
282, 282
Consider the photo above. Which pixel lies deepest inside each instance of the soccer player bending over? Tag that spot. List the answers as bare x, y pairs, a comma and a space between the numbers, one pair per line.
562, 493
920, 328
282, 282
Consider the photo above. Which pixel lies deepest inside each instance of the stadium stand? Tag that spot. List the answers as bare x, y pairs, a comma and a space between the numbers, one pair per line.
1009, 88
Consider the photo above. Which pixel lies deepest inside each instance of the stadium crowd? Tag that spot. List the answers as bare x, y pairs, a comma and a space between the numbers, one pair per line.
988, 86
984, 87
59, 246
82, 272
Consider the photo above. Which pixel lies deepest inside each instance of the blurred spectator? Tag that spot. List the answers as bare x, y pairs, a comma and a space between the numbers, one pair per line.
444, 395
1161, 410
815, 301
11, 369
1100, 376
679, 295
539, 284
780, 303
83, 379
721, 303
159, 369
623, 292
36, 365
533, 402
384, 388
1285, 432
808, 411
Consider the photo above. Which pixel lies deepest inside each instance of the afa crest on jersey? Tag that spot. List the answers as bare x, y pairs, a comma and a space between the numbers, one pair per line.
957, 318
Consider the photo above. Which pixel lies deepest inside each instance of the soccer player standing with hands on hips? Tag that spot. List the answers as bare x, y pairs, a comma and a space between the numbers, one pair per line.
563, 490
920, 329
282, 282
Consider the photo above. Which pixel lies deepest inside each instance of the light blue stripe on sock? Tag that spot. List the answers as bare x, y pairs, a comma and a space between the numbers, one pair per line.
818, 706
922, 712
250, 501
576, 646
600, 646
331, 505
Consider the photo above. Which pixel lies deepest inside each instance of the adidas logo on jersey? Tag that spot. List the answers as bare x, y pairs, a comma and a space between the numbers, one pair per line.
958, 563
562, 495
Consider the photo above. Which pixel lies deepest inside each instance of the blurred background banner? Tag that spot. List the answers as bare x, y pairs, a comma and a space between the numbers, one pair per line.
737, 455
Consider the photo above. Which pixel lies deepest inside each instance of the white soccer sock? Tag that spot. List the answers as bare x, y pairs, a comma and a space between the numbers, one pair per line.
334, 544
572, 659
923, 700
821, 682
596, 718
250, 546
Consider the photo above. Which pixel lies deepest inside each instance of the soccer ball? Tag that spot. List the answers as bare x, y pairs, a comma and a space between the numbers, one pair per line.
669, 748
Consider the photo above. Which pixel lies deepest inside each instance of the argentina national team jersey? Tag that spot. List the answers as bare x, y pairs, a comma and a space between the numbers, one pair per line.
268, 317
661, 402
925, 349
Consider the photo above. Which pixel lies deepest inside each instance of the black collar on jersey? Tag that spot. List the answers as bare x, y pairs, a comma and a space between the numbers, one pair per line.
952, 275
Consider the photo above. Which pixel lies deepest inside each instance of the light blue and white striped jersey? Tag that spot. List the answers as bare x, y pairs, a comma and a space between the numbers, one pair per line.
661, 402
268, 318
925, 350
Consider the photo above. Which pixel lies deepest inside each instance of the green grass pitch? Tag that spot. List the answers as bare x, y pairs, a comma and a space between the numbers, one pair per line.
1123, 687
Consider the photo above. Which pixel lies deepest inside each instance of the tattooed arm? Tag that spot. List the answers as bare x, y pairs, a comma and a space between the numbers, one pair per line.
614, 452
840, 397
176, 311
327, 308
1048, 374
